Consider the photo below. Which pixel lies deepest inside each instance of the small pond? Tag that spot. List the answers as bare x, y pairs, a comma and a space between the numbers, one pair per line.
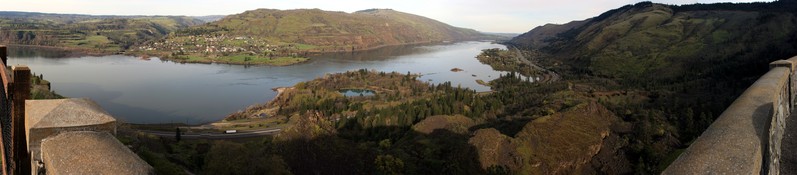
357, 92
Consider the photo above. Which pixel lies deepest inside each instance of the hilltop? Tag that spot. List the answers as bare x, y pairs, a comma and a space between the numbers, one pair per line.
266, 34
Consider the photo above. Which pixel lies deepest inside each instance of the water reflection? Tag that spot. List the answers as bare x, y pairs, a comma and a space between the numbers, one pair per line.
357, 92
155, 91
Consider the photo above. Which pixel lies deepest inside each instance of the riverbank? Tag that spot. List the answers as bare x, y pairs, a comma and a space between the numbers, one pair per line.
194, 89
68, 51
513, 60
240, 59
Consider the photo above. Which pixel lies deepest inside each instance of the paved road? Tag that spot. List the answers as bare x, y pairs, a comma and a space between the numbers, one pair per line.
522, 58
215, 135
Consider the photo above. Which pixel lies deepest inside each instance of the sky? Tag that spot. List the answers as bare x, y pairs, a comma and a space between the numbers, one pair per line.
507, 16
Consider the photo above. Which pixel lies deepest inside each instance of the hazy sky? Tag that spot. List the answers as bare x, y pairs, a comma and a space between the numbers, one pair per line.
484, 15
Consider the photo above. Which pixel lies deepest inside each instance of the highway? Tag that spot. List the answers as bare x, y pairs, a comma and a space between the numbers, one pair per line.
245, 134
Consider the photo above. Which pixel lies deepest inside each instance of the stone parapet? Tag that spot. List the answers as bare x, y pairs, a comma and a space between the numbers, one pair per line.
90, 152
745, 138
45, 118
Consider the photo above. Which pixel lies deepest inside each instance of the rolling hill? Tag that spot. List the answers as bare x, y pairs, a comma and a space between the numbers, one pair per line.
97, 34
284, 37
359, 30
328, 31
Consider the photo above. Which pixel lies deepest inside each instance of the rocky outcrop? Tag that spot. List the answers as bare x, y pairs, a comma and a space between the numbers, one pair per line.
495, 149
563, 143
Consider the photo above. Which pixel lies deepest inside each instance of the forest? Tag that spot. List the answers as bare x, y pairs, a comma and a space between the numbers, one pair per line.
408, 127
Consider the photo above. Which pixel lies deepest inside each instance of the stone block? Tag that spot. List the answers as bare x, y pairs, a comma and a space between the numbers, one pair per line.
782, 63
90, 152
45, 118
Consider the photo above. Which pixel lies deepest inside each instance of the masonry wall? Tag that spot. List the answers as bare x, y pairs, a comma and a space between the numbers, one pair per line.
746, 137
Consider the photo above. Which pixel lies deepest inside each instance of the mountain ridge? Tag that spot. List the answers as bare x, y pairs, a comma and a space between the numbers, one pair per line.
670, 69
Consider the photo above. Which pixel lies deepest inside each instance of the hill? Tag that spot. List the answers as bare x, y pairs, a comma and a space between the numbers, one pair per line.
670, 70
265, 34
665, 41
340, 31
96, 34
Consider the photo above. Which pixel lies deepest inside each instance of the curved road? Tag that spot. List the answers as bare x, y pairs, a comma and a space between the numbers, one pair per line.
520, 57
239, 135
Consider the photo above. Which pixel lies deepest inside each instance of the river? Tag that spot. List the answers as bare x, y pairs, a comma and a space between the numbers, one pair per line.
154, 91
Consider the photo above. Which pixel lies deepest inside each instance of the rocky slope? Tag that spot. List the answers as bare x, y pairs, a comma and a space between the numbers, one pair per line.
563, 143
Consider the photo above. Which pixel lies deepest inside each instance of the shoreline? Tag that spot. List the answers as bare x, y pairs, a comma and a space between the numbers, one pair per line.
210, 126
279, 90
76, 51
73, 51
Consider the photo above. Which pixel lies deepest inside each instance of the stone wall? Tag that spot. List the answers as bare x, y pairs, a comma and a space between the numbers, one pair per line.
746, 137
90, 152
65, 136
5, 110
80, 135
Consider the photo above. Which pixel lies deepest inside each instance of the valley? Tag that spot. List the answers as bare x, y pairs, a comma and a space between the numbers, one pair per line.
380, 91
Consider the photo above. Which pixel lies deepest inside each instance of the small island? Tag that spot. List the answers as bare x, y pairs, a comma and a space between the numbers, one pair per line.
456, 70
482, 82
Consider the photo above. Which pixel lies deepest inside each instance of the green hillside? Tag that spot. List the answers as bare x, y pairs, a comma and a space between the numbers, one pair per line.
657, 41
96, 34
669, 70
267, 34
338, 31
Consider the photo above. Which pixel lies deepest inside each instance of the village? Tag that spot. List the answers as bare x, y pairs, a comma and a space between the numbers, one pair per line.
222, 45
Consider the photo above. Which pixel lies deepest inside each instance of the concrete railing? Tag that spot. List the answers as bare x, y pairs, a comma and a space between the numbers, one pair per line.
746, 137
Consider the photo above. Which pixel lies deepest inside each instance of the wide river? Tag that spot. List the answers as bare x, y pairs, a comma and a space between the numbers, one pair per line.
140, 91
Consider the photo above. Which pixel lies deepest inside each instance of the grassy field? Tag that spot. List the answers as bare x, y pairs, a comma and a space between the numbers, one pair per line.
95, 42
